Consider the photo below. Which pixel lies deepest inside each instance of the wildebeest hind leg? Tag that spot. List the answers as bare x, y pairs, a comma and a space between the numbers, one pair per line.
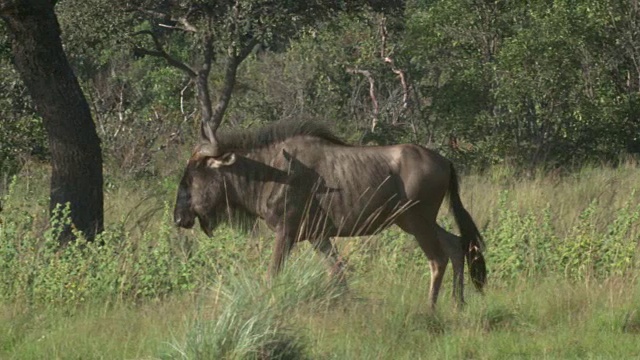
425, 233
336, 265
452, 245
438, 264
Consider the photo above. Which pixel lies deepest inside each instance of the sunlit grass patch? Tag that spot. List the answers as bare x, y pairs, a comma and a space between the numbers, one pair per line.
89, 331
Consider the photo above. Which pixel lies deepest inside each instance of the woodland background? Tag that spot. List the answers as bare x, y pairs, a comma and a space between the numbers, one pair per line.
533, 83
535, 101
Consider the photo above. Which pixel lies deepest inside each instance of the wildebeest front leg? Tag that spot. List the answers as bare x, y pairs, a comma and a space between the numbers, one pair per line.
336, 265
283, 245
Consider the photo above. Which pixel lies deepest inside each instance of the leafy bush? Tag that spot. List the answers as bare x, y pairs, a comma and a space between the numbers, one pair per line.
529, 244
115, 267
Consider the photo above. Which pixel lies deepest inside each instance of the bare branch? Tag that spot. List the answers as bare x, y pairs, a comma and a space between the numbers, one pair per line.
165, 17
383, 37
182, 96
226, 91
403, 81
372, 94
208, 53
204, 97
186, 25
208, 126
247, 49
160, 52
182, 28
212, 117
386, 57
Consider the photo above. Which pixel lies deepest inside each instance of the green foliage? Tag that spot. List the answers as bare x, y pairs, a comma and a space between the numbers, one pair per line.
528, 83
93, 33
35, 270
22, 131
529, 244
592, 253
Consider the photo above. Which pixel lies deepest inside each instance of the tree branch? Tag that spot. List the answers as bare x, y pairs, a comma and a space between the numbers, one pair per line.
403, 81
372, 94
184, 20
160, 52
247, 49
233, 61
173, 27
386, 57
209, 53
165, 17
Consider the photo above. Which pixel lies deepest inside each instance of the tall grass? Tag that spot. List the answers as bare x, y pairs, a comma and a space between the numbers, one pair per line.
581, 225
252, 318
562, 253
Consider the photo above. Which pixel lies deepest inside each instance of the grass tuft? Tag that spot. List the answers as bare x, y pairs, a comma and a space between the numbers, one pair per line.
430, 323
631, 322
498, 317
252, 318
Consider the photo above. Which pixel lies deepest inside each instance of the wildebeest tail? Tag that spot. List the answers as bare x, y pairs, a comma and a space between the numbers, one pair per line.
472, 243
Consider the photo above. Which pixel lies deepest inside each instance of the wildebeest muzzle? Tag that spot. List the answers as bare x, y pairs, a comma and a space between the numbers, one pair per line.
183, 216
184, 219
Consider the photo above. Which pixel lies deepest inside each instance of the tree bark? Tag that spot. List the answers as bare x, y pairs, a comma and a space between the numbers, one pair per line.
76, 157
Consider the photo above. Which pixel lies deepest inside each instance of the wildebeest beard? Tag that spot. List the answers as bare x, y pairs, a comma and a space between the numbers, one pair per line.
237, 218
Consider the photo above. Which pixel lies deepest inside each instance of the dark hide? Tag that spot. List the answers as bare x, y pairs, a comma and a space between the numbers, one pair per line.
306, 184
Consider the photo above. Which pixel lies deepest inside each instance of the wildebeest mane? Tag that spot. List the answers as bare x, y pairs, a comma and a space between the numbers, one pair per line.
249, 139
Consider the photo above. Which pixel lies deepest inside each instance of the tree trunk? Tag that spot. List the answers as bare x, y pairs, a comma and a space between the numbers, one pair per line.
76, 157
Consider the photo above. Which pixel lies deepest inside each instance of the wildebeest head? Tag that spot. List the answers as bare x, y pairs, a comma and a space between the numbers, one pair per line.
201, 190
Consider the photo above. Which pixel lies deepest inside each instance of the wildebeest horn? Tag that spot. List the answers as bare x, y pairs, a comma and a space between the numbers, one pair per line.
209, 135
208, 150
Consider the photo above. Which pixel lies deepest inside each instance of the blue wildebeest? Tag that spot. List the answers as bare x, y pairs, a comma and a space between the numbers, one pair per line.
306, 184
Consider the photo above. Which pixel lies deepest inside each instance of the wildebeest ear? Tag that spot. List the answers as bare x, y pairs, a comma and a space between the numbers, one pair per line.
225, 159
